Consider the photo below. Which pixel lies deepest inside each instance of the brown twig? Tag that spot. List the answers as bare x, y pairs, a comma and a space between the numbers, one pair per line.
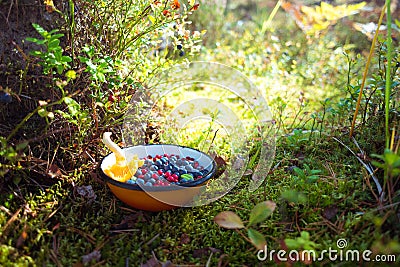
10, 221
88, 237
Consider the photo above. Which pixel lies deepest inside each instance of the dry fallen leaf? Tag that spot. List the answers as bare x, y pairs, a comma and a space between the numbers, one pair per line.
330, 212
228, 220
185, 239
85, 192
53, 171
22, 238
152, 262
221, 163
94, 256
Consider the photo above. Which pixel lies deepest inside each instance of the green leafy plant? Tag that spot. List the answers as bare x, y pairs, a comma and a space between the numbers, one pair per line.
10, 256
97, 65
390, 164
9, 156
75, 113
260, 212
52, 57
294, 196
297, 138
307, 174
301, 242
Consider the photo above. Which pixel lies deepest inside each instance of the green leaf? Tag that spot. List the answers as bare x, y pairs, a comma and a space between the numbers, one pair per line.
228, 220
299, 172
305, 235
73, 106
53, 44
291, 243
59, 69
66, 59
39, 29
152, 19
100, 77
22, 145
65, 115
378, 164
315, 171
83, 59
53, 31
256, 238
33, 40
36, 53
313, 178
71, 74
56, 36
294, 196
42, 112
261, 212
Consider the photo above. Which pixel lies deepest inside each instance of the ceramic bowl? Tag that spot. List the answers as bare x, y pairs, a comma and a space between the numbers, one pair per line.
158, 198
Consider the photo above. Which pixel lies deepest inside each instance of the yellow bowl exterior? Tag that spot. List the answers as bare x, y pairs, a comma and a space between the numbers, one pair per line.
144, 201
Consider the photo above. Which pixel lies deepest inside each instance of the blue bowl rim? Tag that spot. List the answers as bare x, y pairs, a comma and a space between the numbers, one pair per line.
136, 187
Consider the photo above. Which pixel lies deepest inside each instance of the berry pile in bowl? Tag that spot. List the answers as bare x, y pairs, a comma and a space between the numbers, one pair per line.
156, 177
167, 169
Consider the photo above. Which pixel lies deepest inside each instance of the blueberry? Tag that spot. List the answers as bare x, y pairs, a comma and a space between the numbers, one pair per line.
189, 168
174, 169
158, 163
138, 172
182, 171
164, 160
147, 176
185, 163
166, 167
181, 53
131, 182
179, 46
197, 173
148, 184
153, 168
139, 181
153, 181
5, 97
